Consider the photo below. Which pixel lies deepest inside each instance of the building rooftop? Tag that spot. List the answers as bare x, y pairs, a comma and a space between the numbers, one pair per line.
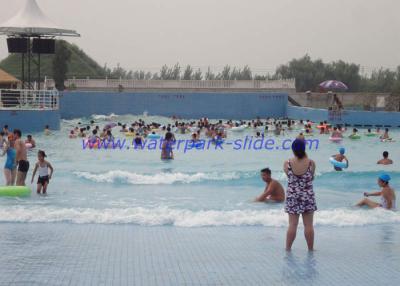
6, 78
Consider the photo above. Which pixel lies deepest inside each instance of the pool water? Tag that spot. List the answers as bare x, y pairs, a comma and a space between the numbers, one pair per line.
124, 217
199, 189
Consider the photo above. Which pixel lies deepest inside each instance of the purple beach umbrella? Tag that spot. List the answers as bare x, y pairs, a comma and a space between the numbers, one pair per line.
333, 85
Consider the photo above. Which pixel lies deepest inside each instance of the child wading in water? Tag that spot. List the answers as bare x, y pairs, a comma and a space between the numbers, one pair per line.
44, 176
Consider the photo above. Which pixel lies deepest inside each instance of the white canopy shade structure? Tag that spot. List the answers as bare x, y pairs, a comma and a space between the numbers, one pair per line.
31, 22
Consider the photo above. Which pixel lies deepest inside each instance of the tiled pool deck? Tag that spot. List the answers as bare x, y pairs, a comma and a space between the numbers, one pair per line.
66, 254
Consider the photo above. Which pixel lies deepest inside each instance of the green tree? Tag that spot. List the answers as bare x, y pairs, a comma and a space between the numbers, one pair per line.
209, 75
60, 64
187, 74
225, 74
346, 72
198, 75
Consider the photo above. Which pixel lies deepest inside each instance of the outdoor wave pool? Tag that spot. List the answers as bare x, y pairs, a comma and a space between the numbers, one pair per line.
118, 216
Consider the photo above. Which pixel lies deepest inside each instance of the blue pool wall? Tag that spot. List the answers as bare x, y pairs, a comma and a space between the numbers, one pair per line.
30, 120
188, 105
349, 117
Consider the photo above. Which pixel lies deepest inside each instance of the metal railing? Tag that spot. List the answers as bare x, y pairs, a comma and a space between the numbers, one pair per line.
288, 84
27, 99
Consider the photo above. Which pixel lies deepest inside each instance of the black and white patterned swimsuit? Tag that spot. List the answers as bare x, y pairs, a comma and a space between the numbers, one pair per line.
300, 197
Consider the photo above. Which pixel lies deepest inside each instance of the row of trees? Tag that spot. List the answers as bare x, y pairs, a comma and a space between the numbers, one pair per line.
177, 73
307, 72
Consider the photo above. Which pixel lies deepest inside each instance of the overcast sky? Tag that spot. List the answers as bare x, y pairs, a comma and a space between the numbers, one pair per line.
261, 33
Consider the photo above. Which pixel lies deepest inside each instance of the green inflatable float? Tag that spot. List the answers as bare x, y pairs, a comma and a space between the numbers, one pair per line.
15, 191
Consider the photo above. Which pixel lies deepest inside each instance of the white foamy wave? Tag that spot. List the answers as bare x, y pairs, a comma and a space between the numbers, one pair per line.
159, 178
185, 218
104, 117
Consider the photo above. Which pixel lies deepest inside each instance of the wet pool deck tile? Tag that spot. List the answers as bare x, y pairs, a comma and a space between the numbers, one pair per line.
67, 254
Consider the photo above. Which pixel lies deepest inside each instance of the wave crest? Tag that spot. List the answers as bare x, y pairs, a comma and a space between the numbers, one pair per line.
159, 178
162, 216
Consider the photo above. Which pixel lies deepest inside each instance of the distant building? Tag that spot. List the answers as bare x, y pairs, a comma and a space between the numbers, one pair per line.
8, 81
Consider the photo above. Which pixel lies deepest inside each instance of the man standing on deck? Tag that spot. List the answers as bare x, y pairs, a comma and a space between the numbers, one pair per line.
21, 156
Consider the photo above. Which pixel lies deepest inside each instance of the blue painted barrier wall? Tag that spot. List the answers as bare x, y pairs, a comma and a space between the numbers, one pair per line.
228, 105
30, 120
346, 117
306, 113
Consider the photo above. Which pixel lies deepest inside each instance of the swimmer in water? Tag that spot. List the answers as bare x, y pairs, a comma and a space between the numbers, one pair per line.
10, 167
166, 149
72, 134
5, 130
301, 136
30, 140
21, 157
387, 194
336, 133
47, 130
355, 133
340, 158
385, 135
3, 140
138, 141
44, 177
94, 138
274, 192
82, 133
385, 160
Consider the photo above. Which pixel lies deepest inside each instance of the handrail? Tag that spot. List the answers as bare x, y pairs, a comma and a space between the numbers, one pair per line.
28, 99
288, 84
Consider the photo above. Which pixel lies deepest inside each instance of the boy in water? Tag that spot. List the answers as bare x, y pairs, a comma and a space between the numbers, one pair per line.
274, 192
385, 135
355, 133
30, 140
340, 158
387, 194
385, 160
47, 130
44, 177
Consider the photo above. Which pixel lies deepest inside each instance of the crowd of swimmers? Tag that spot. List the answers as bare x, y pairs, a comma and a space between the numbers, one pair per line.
139, 130
16, 167
299, 197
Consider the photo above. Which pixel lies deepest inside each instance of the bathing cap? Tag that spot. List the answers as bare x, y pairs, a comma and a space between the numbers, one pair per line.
299, 145
342, 150
384, 177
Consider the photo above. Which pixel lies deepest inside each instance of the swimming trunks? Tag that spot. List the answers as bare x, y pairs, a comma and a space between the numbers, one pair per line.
23, 166
43, 180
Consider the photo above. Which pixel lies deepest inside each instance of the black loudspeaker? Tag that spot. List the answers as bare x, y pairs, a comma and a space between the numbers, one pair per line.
43, 46
17, 45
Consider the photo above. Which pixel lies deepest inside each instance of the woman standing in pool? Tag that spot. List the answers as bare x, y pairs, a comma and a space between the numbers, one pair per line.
10, 168
300, 198
166, 149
